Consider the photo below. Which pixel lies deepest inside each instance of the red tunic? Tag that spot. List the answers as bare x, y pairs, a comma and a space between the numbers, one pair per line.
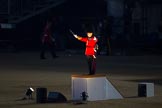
47, 35
90, 45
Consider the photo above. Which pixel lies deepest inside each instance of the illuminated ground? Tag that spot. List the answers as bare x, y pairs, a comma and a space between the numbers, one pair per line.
20, 70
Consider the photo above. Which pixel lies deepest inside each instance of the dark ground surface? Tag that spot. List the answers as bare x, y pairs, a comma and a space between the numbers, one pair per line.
23, 69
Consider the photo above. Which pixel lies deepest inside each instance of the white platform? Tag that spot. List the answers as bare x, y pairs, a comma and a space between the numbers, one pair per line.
98, 87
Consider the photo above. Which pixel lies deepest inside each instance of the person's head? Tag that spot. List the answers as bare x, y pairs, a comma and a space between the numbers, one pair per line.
89, 34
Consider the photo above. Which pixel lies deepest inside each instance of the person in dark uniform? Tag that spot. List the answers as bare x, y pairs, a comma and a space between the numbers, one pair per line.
90, 51
48, 42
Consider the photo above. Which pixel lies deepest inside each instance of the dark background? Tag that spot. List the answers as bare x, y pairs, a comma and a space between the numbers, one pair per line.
71, 15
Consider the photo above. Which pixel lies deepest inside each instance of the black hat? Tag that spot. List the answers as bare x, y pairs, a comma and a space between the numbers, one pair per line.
89, 28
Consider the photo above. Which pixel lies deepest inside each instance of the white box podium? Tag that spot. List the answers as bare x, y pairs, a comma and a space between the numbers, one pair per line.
96, 86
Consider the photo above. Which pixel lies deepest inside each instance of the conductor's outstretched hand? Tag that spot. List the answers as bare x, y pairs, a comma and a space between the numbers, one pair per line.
75, 35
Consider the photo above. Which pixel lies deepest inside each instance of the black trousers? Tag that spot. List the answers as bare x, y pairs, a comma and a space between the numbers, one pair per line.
91, 64
48, 47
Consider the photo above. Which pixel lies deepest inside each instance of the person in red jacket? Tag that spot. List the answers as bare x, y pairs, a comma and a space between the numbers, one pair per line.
90, 51
48, 42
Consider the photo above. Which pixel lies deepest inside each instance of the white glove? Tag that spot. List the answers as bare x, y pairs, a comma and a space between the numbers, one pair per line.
94, 56
75, 35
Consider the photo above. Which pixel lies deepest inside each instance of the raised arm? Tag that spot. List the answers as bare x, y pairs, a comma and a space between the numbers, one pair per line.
77, 37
